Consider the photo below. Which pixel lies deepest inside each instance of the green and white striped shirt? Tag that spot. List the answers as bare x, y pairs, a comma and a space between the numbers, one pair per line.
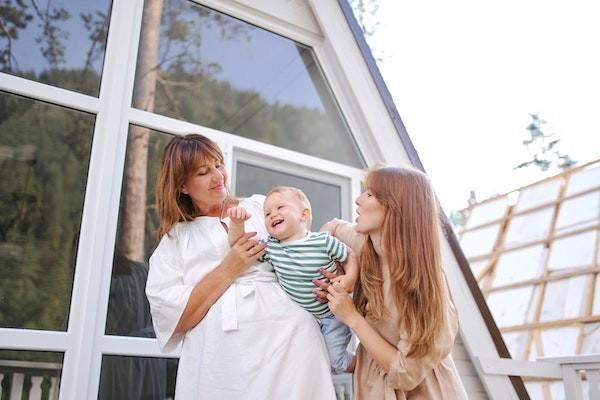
297, 264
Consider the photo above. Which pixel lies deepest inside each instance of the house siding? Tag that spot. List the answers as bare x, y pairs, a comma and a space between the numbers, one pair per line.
467, 371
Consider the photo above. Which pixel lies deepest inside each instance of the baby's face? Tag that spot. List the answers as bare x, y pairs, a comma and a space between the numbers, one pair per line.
285, 218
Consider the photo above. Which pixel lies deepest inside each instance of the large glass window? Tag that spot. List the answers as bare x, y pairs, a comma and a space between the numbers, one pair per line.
59, 43
44, 155
137, 378
202, 66
325, 198
128, 308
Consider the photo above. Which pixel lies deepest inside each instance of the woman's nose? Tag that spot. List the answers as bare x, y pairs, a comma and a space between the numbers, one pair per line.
217, 174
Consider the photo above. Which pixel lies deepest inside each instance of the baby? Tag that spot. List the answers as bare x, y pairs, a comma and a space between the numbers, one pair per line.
298, 255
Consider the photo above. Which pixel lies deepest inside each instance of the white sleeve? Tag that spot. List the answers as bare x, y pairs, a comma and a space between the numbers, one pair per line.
167, 293
258, 200
256, 224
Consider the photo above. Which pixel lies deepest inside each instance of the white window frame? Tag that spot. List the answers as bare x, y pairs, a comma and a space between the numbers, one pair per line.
299, 169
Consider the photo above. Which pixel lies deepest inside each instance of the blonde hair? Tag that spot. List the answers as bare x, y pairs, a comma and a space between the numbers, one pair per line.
300, 196
181, 158
410, 241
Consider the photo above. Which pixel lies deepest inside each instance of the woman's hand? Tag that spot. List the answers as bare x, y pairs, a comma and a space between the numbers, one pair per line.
341, 304
243, 252
322, 285
207, 291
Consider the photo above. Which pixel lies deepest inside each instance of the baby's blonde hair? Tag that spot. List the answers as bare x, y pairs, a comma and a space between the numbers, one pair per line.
300, 196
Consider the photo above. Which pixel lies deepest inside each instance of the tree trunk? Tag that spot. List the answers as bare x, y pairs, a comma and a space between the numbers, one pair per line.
134, 201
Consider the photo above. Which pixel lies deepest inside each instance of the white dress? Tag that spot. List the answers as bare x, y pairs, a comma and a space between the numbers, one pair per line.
254, 342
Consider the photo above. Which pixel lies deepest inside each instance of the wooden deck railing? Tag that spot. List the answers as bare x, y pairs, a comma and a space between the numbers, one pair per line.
568, 369
343, 386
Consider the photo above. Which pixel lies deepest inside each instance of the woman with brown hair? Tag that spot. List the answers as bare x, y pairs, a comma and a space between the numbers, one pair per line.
241, 337
401, 310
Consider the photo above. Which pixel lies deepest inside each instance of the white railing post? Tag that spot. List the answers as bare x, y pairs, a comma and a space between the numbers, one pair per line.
16, 387
593, 378
570, 366
35, 393
343, 386
53, 392
340, 392
567, 369
572, 382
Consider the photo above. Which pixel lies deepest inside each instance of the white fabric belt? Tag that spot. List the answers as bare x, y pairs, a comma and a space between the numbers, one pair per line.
229, 317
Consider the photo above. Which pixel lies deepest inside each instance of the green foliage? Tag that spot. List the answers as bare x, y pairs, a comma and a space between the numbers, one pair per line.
200, 98
366, 13
20, 355
178, 30
543, 149
13, 18
43, 169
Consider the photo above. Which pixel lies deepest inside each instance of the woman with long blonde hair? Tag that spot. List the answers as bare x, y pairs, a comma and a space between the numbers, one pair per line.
401, 310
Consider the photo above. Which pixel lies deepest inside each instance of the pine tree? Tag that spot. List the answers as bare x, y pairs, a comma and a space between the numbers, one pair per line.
544, 149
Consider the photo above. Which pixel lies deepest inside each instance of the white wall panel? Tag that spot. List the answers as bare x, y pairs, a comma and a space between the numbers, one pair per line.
537, 195
487, 212
480, 241
583, 180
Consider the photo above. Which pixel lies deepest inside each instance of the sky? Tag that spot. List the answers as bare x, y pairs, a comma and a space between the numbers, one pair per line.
466, 75
76, 43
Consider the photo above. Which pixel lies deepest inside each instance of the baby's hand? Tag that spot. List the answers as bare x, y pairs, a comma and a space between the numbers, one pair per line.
238, 215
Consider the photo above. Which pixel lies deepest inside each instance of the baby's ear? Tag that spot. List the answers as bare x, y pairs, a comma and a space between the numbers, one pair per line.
307, 217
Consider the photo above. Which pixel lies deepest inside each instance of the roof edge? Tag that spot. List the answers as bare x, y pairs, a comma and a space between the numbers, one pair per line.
413, 156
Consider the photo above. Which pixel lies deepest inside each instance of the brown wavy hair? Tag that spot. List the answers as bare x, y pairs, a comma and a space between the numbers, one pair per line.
181, 158
410, 241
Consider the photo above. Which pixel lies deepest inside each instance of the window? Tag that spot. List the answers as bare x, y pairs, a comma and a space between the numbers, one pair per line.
137, 378
325, 198
58, 43
44, 155
199, 65
128, 308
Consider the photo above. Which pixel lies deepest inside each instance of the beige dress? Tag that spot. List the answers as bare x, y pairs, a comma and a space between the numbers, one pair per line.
433, 377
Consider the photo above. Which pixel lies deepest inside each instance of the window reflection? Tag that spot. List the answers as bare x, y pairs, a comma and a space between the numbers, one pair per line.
128, 308
325, 199
202, 66
30, 374
59, 43
44, 155
137, 378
